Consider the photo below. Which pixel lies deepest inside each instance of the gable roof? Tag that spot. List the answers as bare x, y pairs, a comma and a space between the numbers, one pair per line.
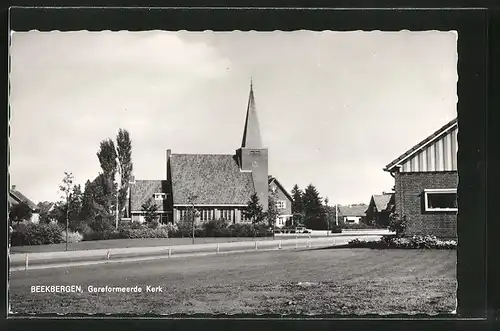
436, 135
214, 178
16, 197
142, 190
381, 201
45, 207
272, 179
353, 210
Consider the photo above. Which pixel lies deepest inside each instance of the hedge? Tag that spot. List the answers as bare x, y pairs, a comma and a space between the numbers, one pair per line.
27, 234
415, 242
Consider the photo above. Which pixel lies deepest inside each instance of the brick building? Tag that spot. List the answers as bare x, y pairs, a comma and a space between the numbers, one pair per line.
219, 186
426, 181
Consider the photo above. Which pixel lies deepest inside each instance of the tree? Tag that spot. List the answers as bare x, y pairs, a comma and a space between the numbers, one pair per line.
313, 209
65, 187
20, 212
108, 161
272, 212
297, 205
87, 211
254, 210
150, 213
75, 206
125, 167
45, 215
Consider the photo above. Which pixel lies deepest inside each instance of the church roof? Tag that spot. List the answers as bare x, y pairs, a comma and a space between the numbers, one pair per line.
142, 190
214, 178
251, 132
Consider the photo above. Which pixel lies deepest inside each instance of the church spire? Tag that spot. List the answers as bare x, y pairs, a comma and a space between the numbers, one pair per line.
251, 133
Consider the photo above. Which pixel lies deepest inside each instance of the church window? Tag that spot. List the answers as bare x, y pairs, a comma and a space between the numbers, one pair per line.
227, 214
207, 214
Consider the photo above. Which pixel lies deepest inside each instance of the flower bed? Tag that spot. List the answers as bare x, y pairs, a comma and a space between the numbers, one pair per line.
415, 242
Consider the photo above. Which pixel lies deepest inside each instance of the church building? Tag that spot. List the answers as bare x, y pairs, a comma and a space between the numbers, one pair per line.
219, 186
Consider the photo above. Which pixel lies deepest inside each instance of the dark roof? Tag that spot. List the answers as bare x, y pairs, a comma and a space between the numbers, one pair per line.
382, 201
16, 197
353, 210
142, 190
443, 130
44, 207
272, 179
213, 178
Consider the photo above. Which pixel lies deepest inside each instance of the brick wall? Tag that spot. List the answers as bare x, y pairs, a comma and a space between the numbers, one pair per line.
410, 199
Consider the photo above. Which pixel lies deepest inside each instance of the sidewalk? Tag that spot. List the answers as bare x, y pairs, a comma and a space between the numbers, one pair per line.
74, 258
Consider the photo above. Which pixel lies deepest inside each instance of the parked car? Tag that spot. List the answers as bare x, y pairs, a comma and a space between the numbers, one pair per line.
302, 230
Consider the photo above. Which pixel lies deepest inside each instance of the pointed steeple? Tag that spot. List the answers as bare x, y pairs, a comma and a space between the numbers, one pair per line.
251, 133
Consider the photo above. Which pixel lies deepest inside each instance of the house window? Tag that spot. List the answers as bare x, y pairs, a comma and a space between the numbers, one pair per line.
160, 196
440, 200
281, 204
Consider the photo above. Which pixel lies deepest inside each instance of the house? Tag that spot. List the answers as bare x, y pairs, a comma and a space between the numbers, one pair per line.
283, 202
380, 208
16, 197
426, 181
218, 186
352, 214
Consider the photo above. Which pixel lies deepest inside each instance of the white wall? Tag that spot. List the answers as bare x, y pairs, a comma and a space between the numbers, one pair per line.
35, 218
352, 219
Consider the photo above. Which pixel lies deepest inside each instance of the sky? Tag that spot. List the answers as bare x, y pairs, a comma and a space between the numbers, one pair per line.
334, 108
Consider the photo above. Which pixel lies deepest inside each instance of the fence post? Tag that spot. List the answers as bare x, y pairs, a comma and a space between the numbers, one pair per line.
170, 252
256, 246
217, 248
26, 262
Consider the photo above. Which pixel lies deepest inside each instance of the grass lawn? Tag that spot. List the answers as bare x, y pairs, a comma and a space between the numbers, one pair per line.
341, 281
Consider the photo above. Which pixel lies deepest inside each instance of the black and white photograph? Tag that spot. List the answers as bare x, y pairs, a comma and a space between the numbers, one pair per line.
177, 172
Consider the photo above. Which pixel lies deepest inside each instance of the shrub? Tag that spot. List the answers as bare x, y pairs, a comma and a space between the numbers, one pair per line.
104, 235
360, 226
397, 224
415, 242
153, 224
73, 237
83, 228
214, 228
336, 229
101, 225
35, 234
242, 230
